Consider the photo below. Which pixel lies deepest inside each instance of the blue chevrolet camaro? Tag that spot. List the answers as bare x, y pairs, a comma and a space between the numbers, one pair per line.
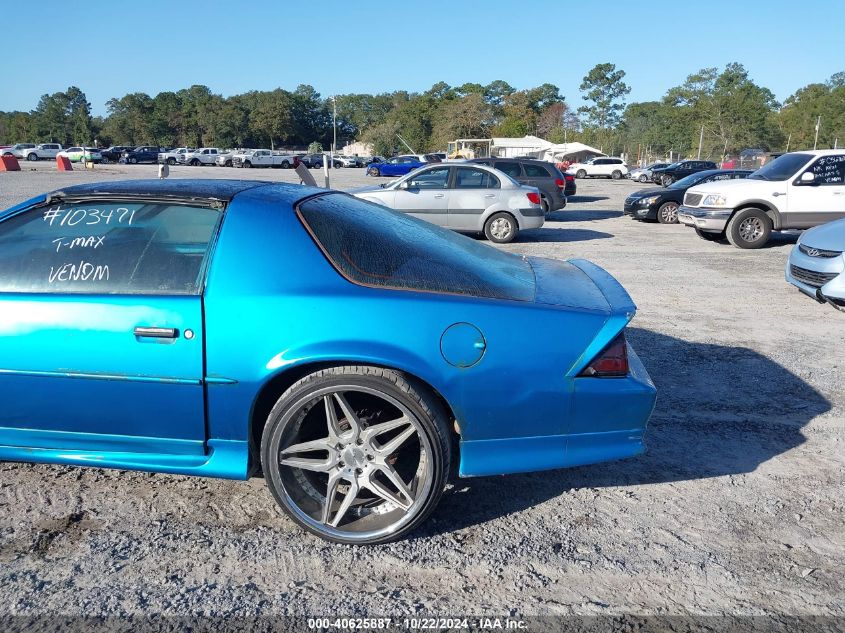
350, 353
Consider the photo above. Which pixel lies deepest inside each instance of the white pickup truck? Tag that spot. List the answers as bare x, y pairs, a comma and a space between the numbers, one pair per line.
47, 151
172, 157
263, 158
798, 190
201, 156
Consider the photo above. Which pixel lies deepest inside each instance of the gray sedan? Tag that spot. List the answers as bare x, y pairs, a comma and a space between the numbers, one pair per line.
463, 197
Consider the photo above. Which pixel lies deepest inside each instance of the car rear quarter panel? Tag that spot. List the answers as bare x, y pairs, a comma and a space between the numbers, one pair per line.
274, 303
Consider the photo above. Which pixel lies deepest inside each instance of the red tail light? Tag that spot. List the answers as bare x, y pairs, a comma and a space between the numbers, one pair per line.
534, 198
611, 361
560, 183
569, 177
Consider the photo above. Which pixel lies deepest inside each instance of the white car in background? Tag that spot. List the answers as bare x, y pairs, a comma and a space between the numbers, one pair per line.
462, 197
599, 167
19, 150
172, 157
643, 174
816, 265
201, 156
81, 154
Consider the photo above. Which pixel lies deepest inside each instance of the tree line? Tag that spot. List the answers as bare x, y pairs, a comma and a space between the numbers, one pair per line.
724, 110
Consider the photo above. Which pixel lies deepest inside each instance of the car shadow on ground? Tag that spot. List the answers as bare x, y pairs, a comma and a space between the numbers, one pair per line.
720, 411
548, 234
577, 198
580, 215
777, 240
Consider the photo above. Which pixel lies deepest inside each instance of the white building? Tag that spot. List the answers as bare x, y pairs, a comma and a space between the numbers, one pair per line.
542, 149
358, 148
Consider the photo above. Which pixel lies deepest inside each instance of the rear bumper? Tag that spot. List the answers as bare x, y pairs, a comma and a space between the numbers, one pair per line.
607, 422
713, 220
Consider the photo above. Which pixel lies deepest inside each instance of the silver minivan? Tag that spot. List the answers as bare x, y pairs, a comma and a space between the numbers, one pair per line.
463, 197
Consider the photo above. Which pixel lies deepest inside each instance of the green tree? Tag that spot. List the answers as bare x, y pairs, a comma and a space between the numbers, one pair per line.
605, 89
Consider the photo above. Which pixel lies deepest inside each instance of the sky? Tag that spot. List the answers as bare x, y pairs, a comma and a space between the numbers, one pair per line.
110, 48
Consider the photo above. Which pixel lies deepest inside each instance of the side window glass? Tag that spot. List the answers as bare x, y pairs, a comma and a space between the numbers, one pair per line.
829, 170
430, 179
535, 171
511, 169
716, 177
106, 248
468, 178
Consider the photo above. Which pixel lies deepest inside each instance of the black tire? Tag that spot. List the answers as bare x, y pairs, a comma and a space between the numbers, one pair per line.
749, 228
710, 237
171, 161
228, 162
643, 178
495, 231
285, 164
373, 171
298, 491
32, 156
581, 173
616, 175
195, 162
247, 164
545, 205
666, 180
667, 213
133, 161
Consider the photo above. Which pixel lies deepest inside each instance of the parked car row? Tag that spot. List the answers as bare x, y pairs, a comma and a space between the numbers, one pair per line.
795, 191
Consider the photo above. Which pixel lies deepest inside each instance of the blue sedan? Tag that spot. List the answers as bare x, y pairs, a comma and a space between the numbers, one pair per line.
396, 166
349, 353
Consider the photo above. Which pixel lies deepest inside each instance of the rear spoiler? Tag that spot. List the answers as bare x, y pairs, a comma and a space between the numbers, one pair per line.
617, 297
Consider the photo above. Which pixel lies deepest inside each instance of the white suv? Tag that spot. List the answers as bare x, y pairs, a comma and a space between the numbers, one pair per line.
604, 166
795, 191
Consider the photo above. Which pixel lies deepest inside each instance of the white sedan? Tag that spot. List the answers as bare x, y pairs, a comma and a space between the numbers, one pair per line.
462, 197
81, 154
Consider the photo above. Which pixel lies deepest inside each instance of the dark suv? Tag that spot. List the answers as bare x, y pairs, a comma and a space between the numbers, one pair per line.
113, 154
534, 173
667, 175
143, 154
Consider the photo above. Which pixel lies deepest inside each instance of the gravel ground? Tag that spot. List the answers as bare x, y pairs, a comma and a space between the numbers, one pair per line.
735, 509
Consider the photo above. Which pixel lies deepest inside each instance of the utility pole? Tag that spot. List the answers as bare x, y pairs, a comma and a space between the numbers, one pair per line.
334, 125
788, 141
700, 141
818, 125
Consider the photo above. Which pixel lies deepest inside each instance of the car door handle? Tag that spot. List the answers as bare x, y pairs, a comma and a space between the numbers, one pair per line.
777, 193
156, 332
489, 195
839, 193
439, 195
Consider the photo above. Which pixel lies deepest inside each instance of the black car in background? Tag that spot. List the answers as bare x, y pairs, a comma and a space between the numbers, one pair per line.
534, 173
143, 154
662, 203
113, 154
667, 175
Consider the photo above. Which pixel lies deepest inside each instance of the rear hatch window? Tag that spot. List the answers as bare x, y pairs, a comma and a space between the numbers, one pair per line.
374, 246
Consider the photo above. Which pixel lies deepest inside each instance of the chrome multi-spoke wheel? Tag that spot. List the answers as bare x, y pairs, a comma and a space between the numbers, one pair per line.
356, 454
